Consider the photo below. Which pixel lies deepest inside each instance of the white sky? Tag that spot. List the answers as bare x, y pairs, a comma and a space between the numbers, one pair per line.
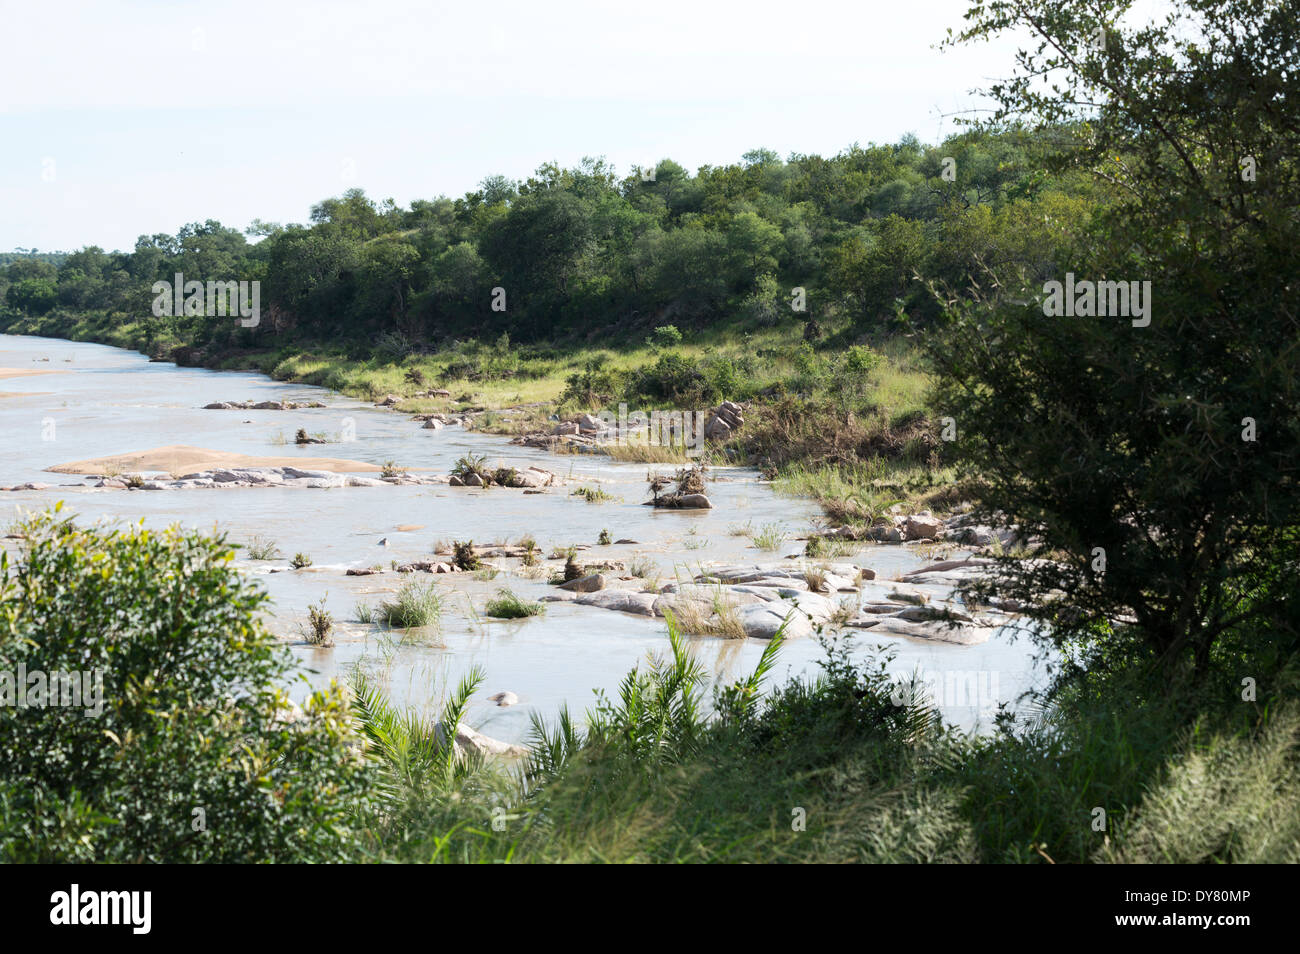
126, 118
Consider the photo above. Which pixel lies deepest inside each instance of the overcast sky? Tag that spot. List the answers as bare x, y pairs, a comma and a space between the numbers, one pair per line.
121, 119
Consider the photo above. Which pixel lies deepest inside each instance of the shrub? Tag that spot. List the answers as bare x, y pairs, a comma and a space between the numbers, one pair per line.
509, 606
472, 464
192, 725
463, 555
665, 336
673, 378
300, 561
594, 386
322, 625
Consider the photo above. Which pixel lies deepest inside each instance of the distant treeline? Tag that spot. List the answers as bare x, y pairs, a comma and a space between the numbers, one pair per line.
581, 250
22, 254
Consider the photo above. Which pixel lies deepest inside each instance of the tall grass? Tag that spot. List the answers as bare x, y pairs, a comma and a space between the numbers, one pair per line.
415, 604
643, 452
508, 605
770, 536
842, 767
261, 548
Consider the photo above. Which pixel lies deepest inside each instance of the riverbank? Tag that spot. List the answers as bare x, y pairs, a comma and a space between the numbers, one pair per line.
856, 441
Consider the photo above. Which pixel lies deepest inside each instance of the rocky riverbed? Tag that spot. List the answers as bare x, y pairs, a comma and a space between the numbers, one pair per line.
733, 572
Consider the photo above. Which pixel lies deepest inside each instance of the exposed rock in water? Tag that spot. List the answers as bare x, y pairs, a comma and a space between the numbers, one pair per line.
530, 478
261, 405
622, 601
469, 742
682, 502
934, 630
429, 566
586, 584
923, 526
763, 621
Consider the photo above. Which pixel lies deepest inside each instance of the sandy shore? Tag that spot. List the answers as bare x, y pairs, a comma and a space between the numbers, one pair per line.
183, 459
26, 372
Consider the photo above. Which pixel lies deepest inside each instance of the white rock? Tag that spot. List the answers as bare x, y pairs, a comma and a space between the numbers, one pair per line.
623, 601
763, 620
935, 630
470, 742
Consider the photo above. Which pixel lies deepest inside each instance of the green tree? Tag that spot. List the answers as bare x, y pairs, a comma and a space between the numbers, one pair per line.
179, 747
1153, 459
32, 296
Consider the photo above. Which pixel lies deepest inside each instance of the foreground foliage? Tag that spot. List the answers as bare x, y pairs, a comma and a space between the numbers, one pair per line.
195, 755
846, 765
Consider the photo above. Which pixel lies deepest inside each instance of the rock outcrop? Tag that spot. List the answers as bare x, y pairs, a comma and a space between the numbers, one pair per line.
724, 420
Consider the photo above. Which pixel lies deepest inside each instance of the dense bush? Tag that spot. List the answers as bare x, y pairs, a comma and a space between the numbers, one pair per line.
196, 754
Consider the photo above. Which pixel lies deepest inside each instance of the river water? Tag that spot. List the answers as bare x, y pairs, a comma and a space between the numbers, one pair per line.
105, 401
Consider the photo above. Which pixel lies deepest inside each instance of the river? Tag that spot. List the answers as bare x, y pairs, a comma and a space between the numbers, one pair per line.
101, 401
